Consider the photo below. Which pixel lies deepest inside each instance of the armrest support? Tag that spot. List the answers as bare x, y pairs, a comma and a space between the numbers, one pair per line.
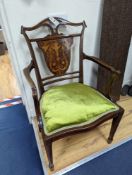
115, 74
27, 71
101, 63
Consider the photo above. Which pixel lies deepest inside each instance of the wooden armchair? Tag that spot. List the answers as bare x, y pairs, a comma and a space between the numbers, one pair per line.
73, 107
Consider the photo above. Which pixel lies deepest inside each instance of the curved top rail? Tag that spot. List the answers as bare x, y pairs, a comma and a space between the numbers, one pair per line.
46, 22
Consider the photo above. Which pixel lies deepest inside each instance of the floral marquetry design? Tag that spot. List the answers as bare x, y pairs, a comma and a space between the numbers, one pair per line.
57, 54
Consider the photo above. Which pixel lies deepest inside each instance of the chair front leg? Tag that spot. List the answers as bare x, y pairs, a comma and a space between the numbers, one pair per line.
48, 148
115, 124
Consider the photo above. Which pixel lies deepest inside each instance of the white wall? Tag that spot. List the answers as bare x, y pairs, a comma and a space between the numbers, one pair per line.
28, 12
1, 33
128, 71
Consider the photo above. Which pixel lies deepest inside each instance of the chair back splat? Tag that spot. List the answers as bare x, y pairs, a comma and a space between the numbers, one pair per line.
56, 48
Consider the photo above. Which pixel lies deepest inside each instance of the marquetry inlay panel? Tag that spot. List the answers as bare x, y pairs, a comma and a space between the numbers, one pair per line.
57, 54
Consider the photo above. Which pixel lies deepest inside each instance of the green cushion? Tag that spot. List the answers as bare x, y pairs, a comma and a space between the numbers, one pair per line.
71, 105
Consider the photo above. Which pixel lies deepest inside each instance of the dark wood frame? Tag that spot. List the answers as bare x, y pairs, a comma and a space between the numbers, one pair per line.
48, 139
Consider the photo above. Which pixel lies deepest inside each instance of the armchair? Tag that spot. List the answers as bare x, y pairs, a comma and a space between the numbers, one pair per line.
71, 107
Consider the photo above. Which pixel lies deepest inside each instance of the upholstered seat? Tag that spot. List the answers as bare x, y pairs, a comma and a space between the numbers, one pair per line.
73, 104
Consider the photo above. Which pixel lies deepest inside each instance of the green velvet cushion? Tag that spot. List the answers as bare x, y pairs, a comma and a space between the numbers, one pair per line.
71, 105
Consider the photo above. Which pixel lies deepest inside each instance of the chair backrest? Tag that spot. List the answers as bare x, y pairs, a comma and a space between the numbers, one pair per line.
56, 49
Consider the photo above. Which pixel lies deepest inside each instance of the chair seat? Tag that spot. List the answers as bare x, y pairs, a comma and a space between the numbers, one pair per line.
72, 105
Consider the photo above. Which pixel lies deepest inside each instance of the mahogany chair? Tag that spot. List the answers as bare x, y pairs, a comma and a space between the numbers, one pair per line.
71, 107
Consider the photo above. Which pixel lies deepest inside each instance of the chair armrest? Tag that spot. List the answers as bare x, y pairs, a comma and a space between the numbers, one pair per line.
27, 71
115, 74
101, 63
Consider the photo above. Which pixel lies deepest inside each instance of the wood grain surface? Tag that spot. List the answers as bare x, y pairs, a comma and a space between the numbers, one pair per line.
8, 83
73, 148
115, 41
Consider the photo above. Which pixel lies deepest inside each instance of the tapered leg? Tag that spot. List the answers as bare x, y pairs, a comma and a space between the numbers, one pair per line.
48, 147
115, 123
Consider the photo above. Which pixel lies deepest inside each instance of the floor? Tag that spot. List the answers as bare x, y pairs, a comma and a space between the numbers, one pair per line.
18, 149
8, 83
71, 149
